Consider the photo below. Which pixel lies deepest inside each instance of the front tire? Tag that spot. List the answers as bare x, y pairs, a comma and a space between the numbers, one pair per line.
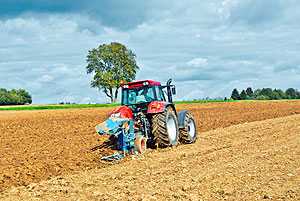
165, 128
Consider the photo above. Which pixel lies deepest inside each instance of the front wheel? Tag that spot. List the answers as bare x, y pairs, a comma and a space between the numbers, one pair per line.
165, 128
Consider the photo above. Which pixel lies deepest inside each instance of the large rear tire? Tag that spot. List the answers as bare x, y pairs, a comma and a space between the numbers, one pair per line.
188, 134
165, 128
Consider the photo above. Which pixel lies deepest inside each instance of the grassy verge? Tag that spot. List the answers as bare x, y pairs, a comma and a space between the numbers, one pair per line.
56, 107
78, 106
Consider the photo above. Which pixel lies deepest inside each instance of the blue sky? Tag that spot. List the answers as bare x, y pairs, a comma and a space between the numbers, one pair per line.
207, 47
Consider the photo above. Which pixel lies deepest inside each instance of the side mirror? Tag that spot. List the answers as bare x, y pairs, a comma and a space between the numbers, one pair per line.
173, 90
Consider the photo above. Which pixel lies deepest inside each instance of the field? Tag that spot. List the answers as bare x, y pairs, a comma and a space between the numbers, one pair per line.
247, 161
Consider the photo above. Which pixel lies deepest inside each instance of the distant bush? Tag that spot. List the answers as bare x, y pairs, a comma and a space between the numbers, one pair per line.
265, 94
235, 95
14, 97
262, 97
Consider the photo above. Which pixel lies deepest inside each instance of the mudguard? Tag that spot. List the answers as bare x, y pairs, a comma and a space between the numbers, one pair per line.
181, 117
156, 107
159, 106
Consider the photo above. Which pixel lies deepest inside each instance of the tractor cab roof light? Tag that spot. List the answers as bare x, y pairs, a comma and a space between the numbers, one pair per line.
145, 83
125, 87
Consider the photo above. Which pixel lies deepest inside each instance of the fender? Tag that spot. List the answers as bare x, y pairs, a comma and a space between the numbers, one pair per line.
181, 117
156, 107
159, 106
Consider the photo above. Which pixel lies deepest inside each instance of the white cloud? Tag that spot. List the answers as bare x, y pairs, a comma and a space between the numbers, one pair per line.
198, 35
225, 8
188, 42
198, 62
46, 78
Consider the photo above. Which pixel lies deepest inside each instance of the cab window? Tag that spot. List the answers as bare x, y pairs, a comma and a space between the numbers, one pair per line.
160, 93
138, 95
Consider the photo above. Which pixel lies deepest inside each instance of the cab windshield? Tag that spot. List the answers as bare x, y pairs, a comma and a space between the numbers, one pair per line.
138, 95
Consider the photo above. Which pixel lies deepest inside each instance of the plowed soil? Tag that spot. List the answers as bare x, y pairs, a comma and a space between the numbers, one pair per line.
254, 161
37, 145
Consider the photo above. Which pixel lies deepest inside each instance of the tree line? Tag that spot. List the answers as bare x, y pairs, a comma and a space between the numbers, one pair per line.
265, 94
14, 97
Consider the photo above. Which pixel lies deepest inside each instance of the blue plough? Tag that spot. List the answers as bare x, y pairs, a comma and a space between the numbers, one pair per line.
123, 130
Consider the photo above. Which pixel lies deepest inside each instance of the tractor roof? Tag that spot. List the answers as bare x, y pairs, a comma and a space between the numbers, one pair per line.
137, 84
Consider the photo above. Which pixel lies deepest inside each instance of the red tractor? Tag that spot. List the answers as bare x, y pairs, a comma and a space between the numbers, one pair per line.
151, 116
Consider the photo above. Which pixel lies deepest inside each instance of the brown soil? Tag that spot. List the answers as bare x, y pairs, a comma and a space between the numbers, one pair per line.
37, 145
254, 161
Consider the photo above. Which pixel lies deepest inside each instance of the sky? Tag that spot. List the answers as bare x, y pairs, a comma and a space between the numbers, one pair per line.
208, 47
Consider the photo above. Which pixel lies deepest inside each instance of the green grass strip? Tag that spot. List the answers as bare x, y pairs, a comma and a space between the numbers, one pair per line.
79, 106
56, 107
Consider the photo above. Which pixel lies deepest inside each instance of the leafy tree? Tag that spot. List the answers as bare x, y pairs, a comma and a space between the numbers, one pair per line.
14, 97
256, 93
25, 96
298, 94
249, 92
2, 90
262, 97
4, 97
243, 95
278, 94
235, 95
267, 94
291, 93
111, 64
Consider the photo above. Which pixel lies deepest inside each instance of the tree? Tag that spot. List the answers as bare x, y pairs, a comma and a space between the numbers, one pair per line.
243, 95
262, 97
111, 64
249, 92
4, 97
256, 93
291, 93
235, 95
267, 92
25, 96
298, 94
14, 97
278, 94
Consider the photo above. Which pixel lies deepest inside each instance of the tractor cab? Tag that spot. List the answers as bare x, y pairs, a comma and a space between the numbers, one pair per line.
140, 94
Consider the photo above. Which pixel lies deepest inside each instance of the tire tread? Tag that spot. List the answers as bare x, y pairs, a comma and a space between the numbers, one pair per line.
184, 136
159, 128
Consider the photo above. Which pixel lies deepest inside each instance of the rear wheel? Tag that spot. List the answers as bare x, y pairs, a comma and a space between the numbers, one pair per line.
165, 128
188, 134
